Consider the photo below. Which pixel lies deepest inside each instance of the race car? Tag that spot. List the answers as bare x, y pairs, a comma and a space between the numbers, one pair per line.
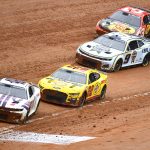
113, 51
18, 100
73, 86
129, 20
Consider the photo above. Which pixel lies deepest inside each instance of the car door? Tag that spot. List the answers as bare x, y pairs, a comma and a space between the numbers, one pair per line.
94, 86
132, 54
31, 99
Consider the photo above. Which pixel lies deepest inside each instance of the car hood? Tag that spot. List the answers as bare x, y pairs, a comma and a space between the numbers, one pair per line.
113, 25
7, 101
59, 85
98, 50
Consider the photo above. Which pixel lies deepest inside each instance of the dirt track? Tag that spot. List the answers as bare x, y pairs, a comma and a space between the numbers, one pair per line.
37, 37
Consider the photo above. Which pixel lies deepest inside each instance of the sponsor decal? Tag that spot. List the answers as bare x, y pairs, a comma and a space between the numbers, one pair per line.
121, 28
42, 138
96, 49
146, 50
26, 106
127, 57
90, 90
96, 88
134, 54
5, 101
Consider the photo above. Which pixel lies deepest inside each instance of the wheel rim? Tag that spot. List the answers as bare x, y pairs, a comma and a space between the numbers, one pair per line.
145, 61
117, 66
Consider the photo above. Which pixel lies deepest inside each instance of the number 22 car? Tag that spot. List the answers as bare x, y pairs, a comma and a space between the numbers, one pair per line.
73, 85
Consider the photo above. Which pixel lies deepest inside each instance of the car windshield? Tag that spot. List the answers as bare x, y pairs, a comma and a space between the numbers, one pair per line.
126, 18
71, 76
13, 91
111, 42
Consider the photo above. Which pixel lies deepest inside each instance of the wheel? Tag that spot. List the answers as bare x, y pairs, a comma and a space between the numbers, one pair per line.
103, 93
25, 118
117, 66
146, 61
82, 100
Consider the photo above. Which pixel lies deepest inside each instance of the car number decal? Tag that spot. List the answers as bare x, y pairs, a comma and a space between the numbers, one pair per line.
90, 90
127, 57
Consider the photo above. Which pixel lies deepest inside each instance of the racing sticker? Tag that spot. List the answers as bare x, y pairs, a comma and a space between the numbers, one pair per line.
127, 57
134, 54
121, 28
147, 30
5, 101
90, 90
96, 88
146, 50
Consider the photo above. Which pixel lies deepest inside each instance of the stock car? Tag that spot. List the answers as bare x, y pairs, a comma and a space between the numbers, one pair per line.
113, 51
18, 100
129, 20
73, 86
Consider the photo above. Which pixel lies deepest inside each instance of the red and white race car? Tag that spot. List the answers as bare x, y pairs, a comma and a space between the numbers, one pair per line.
129, 20
18, 100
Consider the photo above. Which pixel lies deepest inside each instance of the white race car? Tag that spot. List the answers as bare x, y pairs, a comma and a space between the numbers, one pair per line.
114, 51
18, 100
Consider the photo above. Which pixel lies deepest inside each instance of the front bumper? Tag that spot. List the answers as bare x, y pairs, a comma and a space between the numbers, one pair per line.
101, 31
58, 97
92, 62
13, 117
87, 61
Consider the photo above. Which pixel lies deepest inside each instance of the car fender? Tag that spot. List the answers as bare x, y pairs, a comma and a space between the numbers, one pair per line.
146, 52
118, 57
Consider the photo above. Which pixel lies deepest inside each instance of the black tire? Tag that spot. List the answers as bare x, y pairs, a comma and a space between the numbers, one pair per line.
118, 66
82, 100
146, 61
103, 93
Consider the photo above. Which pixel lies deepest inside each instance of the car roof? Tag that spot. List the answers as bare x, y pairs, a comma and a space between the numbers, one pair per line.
14, 82
80, 69
135, 11
118, 36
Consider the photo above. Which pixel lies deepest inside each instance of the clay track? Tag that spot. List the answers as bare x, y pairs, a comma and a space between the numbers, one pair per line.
38, 36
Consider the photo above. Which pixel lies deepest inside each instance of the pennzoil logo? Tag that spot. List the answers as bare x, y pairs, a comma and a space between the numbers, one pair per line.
121, 28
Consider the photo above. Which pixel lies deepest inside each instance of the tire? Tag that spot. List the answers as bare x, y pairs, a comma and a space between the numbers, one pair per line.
103, 93
146, 61
118, 66
25, 119
82, 100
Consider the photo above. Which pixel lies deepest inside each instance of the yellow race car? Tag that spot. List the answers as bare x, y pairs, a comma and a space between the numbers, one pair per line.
73, 85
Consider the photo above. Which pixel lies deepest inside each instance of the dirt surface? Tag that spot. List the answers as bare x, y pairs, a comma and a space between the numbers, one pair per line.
37, 37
